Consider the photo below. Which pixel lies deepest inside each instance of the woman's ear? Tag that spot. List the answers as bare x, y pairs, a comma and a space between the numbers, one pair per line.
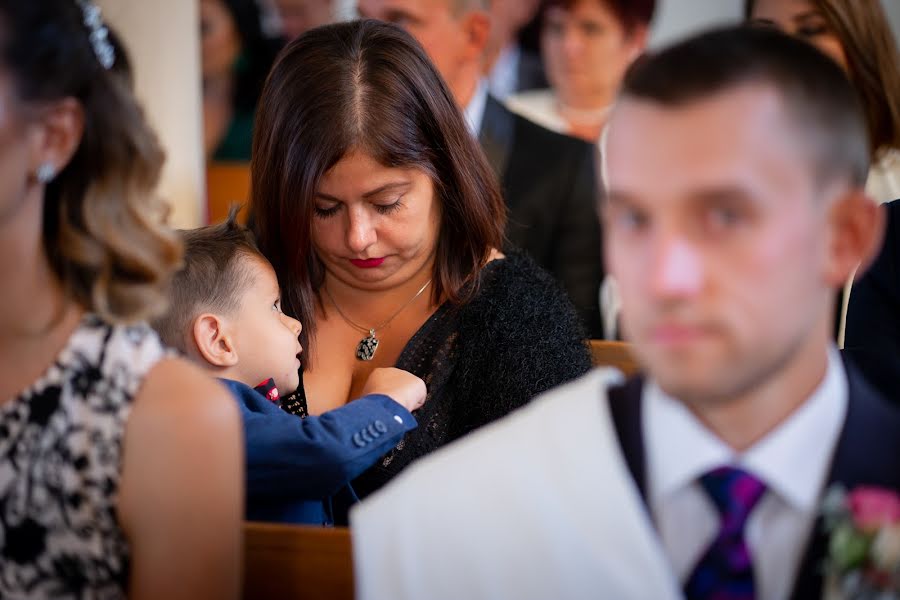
857, 227
56, 135
213, 341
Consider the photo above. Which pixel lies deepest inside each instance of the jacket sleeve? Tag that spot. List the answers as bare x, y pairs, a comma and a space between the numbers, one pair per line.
312, 458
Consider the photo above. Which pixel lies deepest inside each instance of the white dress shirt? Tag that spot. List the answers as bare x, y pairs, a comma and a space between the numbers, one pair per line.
474, 112
793, 461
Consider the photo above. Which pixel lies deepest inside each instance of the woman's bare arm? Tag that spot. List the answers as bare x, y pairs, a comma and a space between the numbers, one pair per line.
181, 495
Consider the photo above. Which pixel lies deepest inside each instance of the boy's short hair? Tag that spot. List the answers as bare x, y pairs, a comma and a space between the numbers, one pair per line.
212, 279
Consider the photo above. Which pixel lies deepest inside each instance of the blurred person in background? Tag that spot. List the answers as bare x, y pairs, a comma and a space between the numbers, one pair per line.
297, 16
548, 180
102, 431
586, 46
857, 35
236, 57
512, 68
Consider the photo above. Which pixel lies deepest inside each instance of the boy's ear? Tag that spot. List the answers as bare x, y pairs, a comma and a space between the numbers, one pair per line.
213, 340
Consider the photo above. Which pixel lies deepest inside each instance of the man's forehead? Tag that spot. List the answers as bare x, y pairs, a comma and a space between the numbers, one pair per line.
743, 131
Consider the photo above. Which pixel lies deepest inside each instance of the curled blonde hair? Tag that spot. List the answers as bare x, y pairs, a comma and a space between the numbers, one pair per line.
108, 243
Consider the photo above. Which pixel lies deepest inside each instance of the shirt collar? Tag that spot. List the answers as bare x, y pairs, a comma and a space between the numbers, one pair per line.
474, 112
792, 460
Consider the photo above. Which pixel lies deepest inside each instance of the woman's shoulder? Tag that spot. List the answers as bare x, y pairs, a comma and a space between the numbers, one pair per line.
538, 106
516, 293
519, 280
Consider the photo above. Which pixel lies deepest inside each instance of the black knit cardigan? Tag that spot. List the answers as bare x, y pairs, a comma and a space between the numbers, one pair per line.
519, 336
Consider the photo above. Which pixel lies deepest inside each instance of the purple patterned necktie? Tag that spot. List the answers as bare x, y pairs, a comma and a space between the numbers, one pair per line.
725, 572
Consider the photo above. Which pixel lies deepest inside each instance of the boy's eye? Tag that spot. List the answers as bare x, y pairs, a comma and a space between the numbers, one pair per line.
276, 306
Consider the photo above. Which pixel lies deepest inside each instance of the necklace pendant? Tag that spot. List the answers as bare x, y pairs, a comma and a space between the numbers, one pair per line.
365, 350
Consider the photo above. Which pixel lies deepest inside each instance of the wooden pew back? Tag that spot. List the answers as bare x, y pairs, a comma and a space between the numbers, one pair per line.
297, 561
614, 354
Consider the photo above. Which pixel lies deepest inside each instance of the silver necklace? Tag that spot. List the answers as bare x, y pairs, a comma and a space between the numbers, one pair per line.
365, 349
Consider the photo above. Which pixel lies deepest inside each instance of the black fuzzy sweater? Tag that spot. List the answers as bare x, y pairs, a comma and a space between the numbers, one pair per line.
518, 337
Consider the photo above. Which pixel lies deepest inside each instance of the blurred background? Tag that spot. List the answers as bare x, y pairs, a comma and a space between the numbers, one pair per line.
163, 39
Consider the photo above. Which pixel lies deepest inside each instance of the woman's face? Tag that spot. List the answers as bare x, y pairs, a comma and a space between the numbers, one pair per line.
17, 151
375, 227
801, 18
587, 50
219, 38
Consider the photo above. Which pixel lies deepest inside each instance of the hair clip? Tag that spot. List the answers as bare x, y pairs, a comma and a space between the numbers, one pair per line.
99, 36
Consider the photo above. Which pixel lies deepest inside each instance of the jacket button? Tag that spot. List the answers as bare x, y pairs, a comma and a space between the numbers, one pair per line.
380, 427
357, 439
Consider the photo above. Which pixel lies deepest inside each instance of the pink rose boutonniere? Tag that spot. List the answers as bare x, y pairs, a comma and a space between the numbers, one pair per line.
864, 548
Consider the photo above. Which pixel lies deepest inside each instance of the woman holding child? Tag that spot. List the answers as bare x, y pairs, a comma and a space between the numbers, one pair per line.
383, 222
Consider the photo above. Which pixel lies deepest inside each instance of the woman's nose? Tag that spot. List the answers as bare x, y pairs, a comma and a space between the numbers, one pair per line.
360, 231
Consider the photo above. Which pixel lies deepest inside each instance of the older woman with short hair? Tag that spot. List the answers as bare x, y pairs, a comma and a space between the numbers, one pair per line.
586, 46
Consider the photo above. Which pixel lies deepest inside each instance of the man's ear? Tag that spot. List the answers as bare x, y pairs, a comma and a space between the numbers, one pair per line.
56, 134
857, 226
636, 39
477, 26
213, 341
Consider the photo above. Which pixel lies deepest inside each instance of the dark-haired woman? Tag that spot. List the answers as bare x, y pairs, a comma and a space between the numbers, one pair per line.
383, 219
102, 433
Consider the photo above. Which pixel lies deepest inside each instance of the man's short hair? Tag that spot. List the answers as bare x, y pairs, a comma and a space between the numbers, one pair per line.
213, 279
816, 94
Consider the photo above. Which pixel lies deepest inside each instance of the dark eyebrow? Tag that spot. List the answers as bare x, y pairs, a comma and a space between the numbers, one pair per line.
388, 187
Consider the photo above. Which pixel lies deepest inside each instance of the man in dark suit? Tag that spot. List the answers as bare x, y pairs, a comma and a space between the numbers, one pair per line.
549, 180
873, 316
728, 235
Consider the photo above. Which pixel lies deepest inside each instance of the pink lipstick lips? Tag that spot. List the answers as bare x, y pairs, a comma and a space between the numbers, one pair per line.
368, 263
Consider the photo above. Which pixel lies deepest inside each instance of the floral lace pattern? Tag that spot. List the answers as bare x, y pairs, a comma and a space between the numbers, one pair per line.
60, 464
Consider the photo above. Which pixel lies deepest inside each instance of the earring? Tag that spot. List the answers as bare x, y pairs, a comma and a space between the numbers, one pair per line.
45, 173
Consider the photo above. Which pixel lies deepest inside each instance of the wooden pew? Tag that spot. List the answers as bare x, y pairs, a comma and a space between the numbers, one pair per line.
227, 183
296, 561
613, 354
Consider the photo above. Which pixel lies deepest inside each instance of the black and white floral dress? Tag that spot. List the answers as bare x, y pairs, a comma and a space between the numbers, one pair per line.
60, 464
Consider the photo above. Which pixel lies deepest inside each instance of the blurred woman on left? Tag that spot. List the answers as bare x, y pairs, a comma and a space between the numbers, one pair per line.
236, 57
102, 433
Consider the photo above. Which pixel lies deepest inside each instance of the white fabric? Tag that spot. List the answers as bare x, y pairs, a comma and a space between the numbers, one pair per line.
883, 183
504, 76
536, 506
474, 112
538, 106
793, 462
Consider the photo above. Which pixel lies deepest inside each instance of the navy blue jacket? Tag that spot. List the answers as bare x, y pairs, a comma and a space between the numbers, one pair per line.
295, 466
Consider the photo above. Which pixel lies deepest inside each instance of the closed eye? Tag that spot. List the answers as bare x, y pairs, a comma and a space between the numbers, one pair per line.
330, 211
386, 209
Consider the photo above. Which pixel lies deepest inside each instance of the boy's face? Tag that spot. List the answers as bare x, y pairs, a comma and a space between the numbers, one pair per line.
266, 340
